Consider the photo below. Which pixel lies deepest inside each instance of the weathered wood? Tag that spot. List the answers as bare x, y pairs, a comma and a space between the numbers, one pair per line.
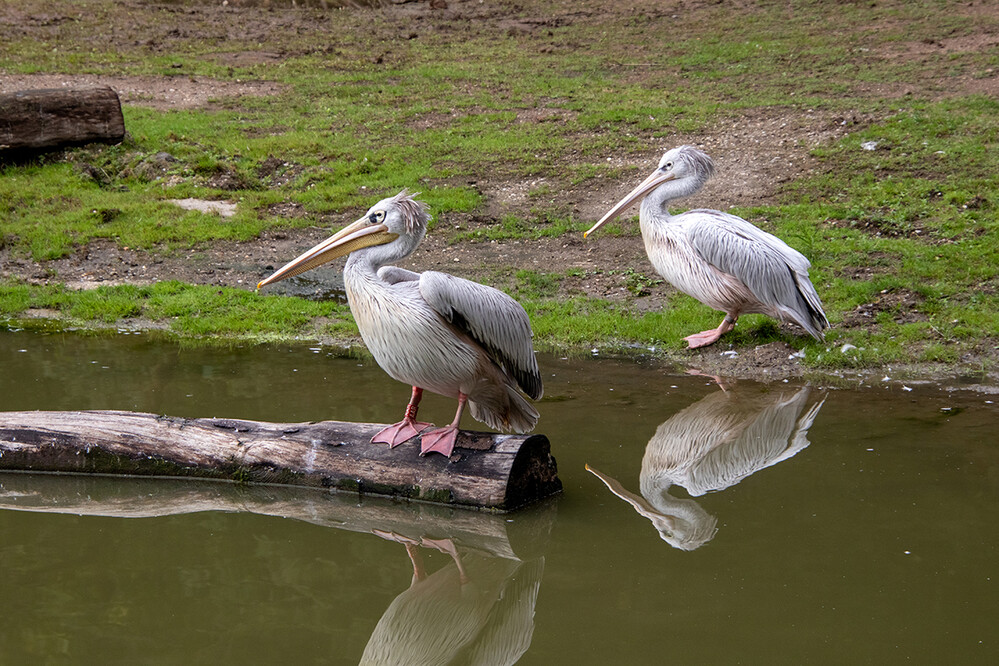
490, 471
38, 120
495, 535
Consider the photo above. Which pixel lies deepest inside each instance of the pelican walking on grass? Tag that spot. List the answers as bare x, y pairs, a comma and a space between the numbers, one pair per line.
431, 330
720, 259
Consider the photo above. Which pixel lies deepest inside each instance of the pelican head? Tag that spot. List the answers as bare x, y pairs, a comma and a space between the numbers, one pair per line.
399, 222
686, 167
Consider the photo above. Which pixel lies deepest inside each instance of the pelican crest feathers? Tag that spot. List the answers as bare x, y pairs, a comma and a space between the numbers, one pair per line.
414, 212
698, 161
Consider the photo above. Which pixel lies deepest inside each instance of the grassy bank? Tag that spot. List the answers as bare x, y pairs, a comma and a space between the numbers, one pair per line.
898, 217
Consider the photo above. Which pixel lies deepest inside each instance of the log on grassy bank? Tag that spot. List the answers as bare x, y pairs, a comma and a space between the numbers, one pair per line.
38, 120
488, 471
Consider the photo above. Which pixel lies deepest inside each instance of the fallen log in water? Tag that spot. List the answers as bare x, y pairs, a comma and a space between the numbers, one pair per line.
489, 471
37, 120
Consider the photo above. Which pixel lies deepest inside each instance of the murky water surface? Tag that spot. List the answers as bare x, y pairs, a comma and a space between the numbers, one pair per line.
762, 524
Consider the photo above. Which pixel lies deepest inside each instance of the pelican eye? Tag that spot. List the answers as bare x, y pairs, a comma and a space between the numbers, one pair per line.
376, 217
667, 166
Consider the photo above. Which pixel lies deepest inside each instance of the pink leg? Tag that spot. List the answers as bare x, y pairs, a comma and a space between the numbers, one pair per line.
442, 440
722, 384
447, 546
412, 549
407, 428
705, 338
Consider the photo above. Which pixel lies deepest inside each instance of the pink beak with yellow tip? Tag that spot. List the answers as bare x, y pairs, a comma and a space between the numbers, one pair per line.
352, 237
657, 178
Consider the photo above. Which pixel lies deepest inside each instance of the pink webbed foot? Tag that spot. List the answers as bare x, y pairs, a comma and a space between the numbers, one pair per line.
396, 434
702, 339
407, 428
722, 383
395, 536
441, 440
705, 338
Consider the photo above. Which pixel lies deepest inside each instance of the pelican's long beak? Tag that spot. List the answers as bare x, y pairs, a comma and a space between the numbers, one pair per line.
639, 503
657, 178
352, 237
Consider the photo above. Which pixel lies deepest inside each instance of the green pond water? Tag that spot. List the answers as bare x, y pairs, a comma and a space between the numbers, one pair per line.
761, 524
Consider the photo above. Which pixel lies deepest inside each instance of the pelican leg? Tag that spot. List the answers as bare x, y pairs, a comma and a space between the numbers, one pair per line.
447, 546
442, 440
407, 428
722, 383
412, 549
705, 338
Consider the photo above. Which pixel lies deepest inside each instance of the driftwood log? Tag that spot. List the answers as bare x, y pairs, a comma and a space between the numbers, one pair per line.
487, 471
38, 120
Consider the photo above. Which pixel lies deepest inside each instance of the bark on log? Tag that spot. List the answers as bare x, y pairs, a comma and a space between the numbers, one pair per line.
489, 471
37, 120
489, 534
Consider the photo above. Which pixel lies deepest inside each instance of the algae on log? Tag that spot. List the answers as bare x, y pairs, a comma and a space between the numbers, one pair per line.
486, 470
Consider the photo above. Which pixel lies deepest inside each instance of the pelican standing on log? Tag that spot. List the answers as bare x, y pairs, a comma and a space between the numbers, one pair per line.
720, 259
431, 330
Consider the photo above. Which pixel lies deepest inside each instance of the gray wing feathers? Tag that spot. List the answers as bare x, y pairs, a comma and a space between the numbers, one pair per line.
395, 275
776, 273
491, 318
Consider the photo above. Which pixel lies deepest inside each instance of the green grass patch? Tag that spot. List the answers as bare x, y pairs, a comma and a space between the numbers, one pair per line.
188, 311
906, 231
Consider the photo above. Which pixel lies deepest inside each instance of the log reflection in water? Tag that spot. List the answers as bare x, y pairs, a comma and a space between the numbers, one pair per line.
477, 609
493, 534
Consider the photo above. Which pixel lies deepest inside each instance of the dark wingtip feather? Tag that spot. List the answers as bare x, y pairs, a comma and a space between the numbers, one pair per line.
530, 383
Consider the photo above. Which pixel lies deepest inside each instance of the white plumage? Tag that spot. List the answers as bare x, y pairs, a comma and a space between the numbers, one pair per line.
712, 445
483, 619
720, 259
431, 330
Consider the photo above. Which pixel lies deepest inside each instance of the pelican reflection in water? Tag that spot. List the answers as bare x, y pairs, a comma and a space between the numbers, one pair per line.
431, 330
720, 259
475, 610
711, 445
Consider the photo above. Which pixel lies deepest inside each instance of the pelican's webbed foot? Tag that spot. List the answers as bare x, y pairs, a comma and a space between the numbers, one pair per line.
705, 338
441, 440
397, 433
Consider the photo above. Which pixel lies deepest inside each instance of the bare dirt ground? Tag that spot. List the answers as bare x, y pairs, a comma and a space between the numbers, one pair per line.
754, 155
